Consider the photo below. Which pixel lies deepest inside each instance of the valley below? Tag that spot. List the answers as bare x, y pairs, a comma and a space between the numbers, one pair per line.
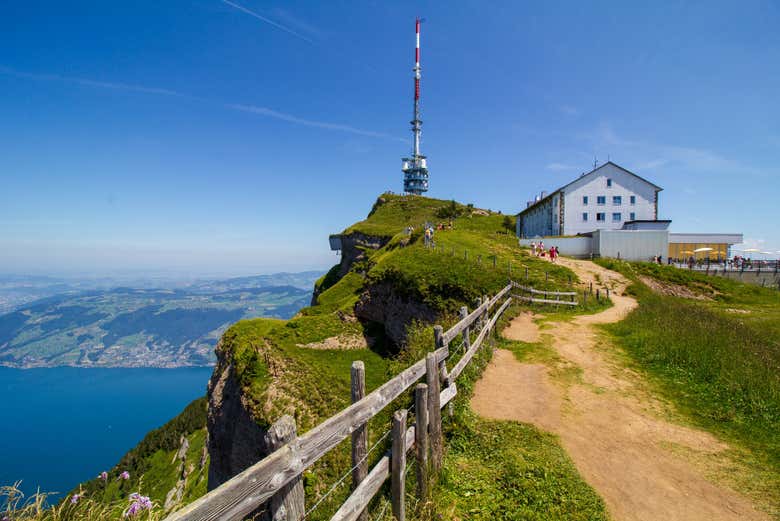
141, 326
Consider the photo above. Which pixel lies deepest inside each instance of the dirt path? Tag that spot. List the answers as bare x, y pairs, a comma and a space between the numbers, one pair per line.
614, 431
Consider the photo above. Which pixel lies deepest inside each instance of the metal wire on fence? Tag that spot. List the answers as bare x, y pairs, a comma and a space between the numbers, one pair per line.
344, 476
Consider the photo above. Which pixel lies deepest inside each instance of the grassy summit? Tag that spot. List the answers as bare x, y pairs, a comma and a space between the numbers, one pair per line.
323, 340
301, 366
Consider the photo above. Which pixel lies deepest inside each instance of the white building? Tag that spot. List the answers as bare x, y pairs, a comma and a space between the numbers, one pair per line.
611, 212
603, 199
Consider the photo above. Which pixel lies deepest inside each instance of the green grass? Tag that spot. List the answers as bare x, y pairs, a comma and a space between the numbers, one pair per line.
721, 369
392, 213
508, 470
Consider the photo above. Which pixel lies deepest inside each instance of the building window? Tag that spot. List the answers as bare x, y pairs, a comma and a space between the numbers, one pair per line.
609, 183
616, 217
617, 200
601, 216
584, 216
633, 199
601, 199
632, 215
585, 200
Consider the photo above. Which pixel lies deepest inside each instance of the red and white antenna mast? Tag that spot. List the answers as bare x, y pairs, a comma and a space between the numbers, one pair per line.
415, 168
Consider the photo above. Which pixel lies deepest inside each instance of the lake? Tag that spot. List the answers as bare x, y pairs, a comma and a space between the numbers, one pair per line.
61, 426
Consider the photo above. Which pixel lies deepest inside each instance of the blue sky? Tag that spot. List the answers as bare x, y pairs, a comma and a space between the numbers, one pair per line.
213, 137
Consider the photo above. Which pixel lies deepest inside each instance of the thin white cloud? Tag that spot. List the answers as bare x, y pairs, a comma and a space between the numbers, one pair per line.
649, 165
569, 110
268, 21
92, 83
604, 138
296, 23
559, 167
263, 111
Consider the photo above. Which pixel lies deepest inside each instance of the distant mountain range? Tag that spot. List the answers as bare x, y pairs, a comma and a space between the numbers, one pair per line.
132, 326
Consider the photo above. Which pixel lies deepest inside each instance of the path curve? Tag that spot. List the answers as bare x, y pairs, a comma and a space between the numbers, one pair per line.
611, 427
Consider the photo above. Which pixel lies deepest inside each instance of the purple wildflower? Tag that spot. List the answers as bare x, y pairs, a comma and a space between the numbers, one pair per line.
103, 475
75, 498
124, 475
138, 504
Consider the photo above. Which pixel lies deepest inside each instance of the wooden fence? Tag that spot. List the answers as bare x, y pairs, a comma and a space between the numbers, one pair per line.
545, 299
276, 479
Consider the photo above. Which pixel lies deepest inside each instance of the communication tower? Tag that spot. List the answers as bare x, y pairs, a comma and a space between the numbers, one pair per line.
415, 168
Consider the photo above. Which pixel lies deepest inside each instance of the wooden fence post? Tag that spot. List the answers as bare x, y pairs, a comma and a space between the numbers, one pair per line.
360, 434
438, 341
495, 257
607, 293
546, 276
464, 312
597, 294
526, 273
478, 322
288, 503
438, 331
434, 409
486, 313
398, 465
421, 439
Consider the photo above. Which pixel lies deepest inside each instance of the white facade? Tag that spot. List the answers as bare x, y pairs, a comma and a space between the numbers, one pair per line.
578, 247
603, 199
634, 245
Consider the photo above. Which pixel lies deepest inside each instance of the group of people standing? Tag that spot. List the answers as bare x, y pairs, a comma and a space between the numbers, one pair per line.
540, 251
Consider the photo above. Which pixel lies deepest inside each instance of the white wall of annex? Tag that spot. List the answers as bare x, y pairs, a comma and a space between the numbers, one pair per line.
637, 245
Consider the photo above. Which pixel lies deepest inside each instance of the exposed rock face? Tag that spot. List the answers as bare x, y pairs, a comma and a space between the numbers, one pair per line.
381, 303
235, 440
352, 247
173, 498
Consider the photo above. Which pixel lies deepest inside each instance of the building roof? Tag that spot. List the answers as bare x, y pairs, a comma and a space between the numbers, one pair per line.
658, 188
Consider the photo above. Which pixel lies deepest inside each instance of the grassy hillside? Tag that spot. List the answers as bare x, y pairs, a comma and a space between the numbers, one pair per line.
715, 352
301, 366
458, 271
